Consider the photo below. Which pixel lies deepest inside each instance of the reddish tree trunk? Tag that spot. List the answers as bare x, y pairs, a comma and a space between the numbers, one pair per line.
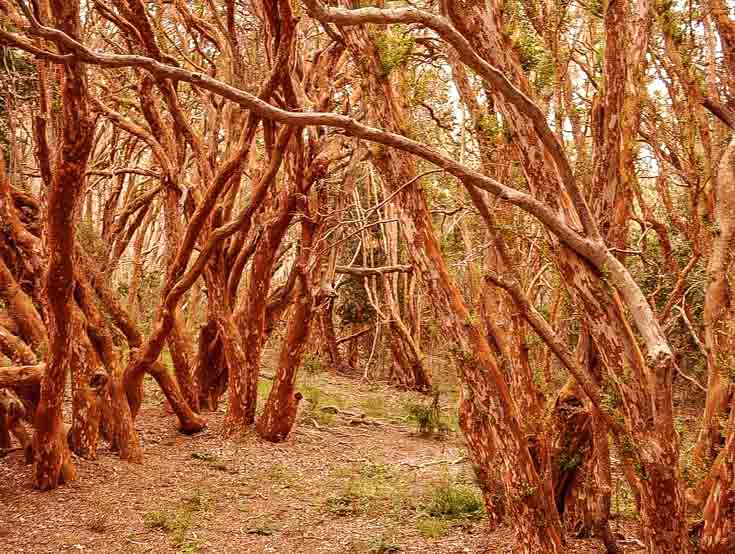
65, 188
326, 320
210, 370
178, 346
279, 413
84, 433
718, 534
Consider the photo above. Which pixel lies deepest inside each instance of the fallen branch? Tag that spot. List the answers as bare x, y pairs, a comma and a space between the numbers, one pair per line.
337, 411
354, 336
435, 462
5, 451
355, 418
368, 271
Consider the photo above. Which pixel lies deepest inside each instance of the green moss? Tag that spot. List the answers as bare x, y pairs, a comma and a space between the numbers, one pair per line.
527, 492
178, 522
374, 406
383, 545
489, 126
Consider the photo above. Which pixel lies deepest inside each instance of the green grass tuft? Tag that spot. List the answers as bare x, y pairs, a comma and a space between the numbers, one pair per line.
427, 418
383, 545
455, 501
432, 528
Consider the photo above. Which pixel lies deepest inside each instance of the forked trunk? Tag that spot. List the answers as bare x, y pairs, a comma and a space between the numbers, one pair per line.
581, 468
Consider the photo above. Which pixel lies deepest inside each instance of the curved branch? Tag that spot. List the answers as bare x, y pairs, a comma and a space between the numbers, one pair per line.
583, 246
492, 74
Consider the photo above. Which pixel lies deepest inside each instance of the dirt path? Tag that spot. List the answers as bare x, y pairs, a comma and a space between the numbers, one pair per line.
333, 487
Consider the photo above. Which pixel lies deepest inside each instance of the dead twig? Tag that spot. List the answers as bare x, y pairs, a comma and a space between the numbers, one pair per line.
435, 462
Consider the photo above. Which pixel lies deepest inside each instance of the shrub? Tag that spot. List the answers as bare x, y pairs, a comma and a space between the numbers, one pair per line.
455, 501
427, 417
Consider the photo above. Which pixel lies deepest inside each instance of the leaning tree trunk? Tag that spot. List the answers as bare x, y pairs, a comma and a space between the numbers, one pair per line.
718, 534
719, 510
279, 413
64, 191
84, 432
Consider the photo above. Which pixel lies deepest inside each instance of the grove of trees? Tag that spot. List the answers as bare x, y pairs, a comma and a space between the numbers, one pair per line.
541, 191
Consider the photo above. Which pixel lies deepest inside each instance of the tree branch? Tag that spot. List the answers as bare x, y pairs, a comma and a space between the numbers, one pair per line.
367, 271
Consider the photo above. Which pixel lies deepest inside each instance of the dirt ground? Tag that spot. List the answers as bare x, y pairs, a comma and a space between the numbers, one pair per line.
338, 485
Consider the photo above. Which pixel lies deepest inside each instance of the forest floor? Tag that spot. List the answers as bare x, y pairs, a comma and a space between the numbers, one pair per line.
361, 480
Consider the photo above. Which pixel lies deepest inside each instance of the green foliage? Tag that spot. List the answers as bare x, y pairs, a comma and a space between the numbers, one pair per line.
432, 528
374, 406
640, 469
623, 503
212, 461
264, 387
178, 523
372, 489
452, 245
451, 500
312, 395
312, 364
18, 70
568, 461
383, 545
343, 505
611, 398
671, 22
489, 125
529, 50
426, 417
353, 306
596, 7
473, 318
281, 474
394, 49
527, 491
160, 520
90, 240
315, 400
204, 456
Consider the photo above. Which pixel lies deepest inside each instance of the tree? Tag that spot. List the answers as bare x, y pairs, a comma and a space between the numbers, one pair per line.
513, 174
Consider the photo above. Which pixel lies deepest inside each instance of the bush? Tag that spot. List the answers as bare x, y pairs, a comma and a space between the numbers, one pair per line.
427, 417
455, 501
